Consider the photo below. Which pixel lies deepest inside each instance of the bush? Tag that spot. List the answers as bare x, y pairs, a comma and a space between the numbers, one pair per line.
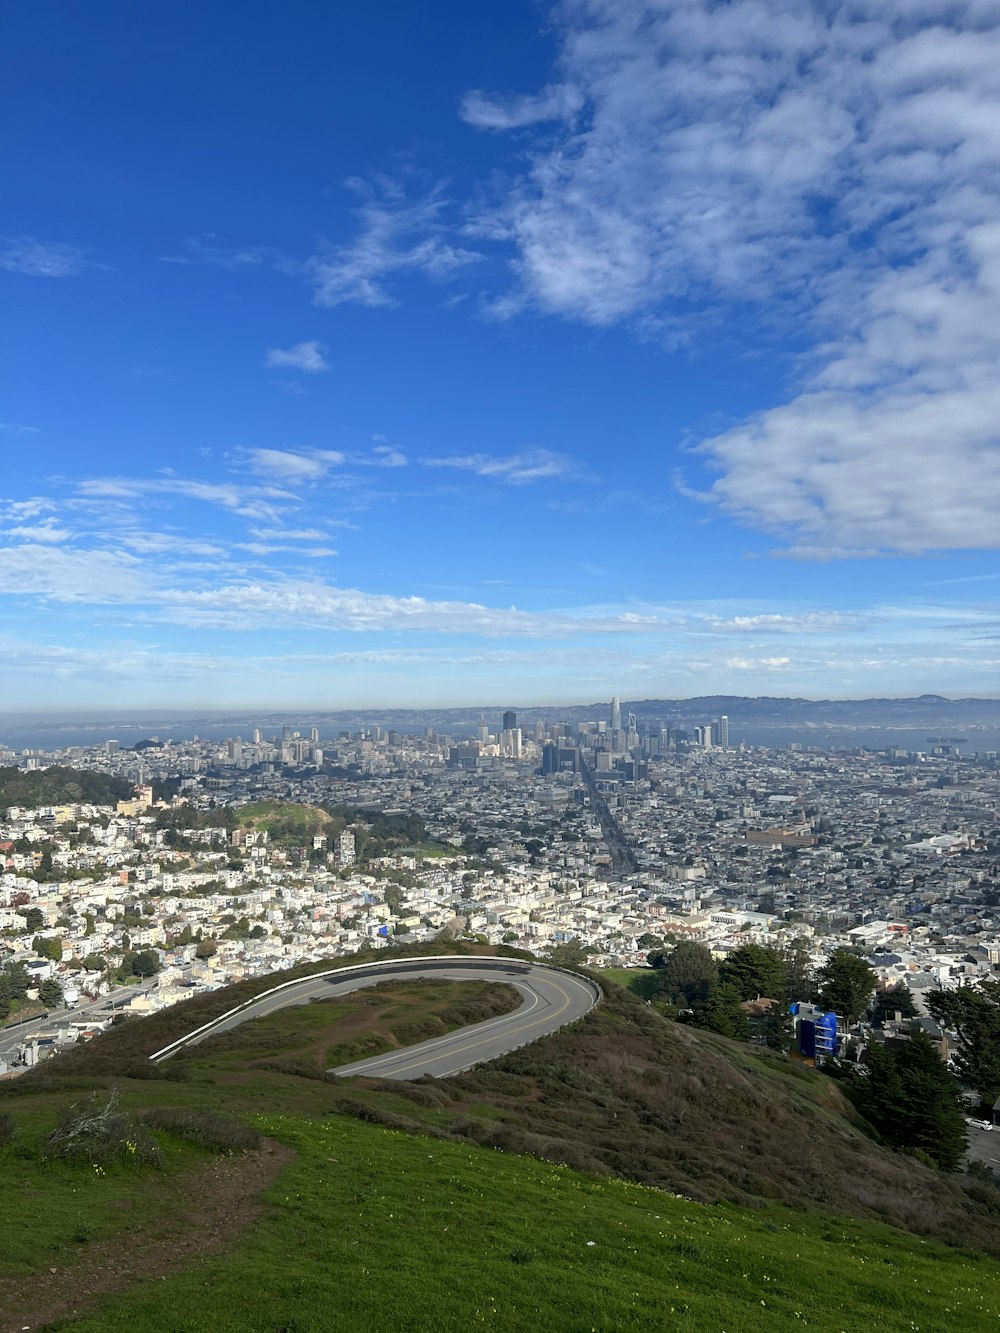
6, 1128
101, 1134
218, 1133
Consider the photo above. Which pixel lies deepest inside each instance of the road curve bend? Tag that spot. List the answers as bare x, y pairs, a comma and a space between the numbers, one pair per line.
551, 998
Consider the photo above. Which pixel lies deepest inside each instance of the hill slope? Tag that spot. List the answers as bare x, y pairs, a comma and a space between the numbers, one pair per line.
398, 1210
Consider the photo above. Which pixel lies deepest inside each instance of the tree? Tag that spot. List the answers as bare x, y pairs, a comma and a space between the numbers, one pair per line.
776, 1028
48, 947
799, 983
90, 926
50, 993
913, 1100
686, 973
145, 964
206, 949
649, 941
753, 971
719, 1011
5, 996
846, 983
974, 1014
18, 979
34, 918
570, 954
895, 999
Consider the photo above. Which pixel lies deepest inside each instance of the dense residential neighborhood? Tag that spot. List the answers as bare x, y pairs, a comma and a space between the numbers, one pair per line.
223, 861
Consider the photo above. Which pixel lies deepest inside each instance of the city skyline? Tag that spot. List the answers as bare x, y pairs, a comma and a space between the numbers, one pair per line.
416, 359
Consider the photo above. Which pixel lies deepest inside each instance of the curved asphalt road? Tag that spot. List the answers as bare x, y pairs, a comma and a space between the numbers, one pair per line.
551, 999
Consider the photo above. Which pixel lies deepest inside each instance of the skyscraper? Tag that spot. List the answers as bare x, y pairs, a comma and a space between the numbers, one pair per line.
724, 731
616, 714
509, 720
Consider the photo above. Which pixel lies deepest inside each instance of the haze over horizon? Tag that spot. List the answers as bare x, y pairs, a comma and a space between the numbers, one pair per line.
415, 358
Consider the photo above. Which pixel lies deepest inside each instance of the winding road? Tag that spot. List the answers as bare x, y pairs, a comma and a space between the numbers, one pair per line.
551, 999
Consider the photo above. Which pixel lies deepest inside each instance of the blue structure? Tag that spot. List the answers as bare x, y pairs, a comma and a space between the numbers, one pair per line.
817, 1031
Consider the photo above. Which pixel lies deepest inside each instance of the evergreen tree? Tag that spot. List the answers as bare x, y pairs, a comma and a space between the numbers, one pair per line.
719, 1011
777, 1028
686, 973
896, 999
5, 996
974, 1014
799, 984
846, 983
912, 1099
50, 993
18, 980
754, 971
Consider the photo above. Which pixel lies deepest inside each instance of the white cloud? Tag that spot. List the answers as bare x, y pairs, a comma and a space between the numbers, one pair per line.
47, 531
40, 259
396, 235
291, 465
516, 469
16, 429
207, 250
836, 168
487, 111
36, 569
318, 605
757, 663
260, 503
386, 455
306, 356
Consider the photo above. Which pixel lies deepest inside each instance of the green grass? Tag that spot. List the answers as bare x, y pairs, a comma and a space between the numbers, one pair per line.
640, 981
52, 1208
370, 1229
327, 1033
286, 814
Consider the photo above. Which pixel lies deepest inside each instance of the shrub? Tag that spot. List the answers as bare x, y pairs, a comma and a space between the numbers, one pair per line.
6, 1128
101, 1134
205, 1128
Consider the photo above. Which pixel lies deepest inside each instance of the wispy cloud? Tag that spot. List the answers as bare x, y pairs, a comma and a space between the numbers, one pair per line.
292, 465
208, 250
47, 531
15, 428
516, 469
835, 168
487, 111
40, 259
306, 356
397, 234
260, 503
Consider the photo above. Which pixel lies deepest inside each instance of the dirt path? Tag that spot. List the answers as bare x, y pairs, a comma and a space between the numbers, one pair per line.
225, 1201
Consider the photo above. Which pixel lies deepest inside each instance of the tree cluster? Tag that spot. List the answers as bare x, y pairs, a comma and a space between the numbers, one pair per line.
909, 1095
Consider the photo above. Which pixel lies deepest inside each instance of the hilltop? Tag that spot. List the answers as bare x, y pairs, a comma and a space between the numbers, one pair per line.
519, 1194
58, 786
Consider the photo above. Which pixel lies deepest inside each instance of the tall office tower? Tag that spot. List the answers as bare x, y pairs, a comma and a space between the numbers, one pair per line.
484, 731
509, 720
724, 731
314, 734
539, 730
515, 741
616, 714
286, 732
256, 735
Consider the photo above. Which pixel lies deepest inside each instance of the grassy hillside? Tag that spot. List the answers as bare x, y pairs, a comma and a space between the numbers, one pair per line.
397, 1210
370, 1229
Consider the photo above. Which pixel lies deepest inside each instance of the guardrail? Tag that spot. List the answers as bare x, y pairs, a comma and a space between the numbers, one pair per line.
399, 964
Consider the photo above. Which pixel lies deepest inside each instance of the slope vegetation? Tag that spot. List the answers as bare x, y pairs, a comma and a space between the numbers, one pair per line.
770, 1205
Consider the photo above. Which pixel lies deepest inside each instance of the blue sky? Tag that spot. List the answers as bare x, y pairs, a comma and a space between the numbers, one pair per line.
363, 355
